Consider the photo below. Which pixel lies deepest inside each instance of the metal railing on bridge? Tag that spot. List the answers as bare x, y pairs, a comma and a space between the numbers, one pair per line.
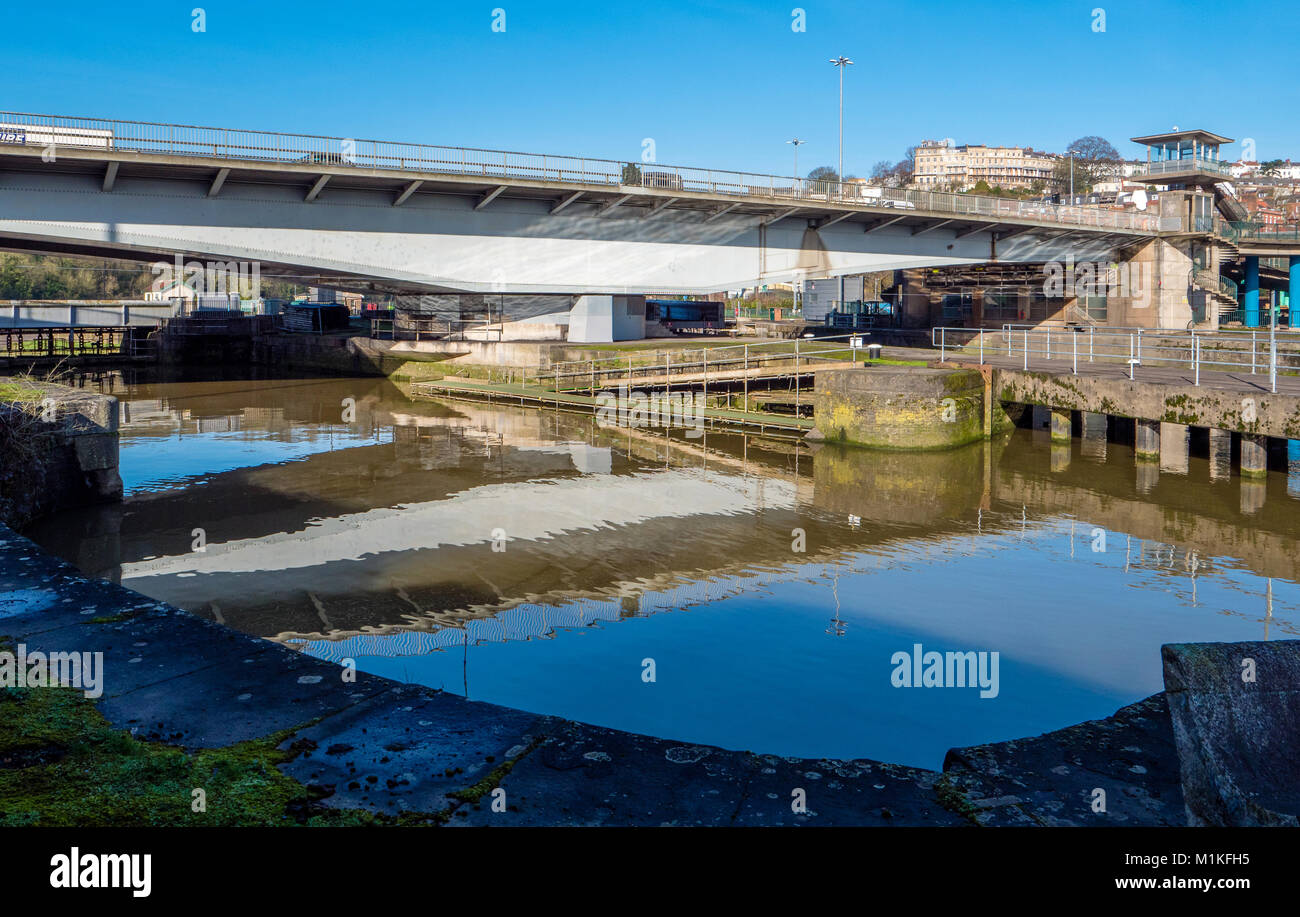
23, 128
1253, 352
79, 340
1258, 232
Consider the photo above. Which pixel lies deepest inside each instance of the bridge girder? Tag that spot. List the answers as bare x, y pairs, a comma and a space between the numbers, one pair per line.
447, 239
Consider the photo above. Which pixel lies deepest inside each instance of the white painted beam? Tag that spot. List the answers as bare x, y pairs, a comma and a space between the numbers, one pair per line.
565, 202
881, 224
986, 227
217, 181
660, 206
490, 197
781, 216
611, 205
923, 229
833, 220
407, 192
316, 188
717, 213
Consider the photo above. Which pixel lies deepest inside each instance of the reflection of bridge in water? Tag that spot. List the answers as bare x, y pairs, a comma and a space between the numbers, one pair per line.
349, 545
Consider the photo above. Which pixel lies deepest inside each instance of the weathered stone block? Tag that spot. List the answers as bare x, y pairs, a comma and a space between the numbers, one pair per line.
96, 451
1235, 709
906, 408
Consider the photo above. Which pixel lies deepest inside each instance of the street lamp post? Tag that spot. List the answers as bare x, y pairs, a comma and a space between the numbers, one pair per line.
841, 62
796, 141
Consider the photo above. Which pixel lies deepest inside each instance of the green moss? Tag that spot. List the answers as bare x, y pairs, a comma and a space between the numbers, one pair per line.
955, 800
63, 764
490, 782
120, 616
20, 393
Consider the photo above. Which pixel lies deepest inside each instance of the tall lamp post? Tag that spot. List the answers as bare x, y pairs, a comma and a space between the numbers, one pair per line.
841, 62
796, 141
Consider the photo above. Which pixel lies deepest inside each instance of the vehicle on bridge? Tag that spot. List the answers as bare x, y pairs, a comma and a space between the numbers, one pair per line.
682, 315
327, 159
669, 180
39, 135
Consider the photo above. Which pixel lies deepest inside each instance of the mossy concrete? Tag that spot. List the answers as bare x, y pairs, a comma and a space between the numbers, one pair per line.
58, 449
1258, 412
904, 408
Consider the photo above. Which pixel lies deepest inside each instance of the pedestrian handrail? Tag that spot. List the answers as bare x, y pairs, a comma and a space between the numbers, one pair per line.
112, 135
1254, 352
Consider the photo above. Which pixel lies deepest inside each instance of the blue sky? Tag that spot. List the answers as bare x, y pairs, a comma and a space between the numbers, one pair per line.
721, 84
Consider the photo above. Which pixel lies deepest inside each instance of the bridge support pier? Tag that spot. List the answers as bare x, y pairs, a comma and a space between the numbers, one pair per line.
1146, 440
1173, 447
1251, 304
1220, 455
1254, 456
1093, 428
1062, 423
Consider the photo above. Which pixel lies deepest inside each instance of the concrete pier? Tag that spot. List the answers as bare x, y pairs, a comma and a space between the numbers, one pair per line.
1220, 455
1146, 440
1174, 440
1061, 422
1254, 456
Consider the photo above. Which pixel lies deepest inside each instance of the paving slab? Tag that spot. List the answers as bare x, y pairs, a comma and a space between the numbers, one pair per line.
587, 775
1052, 779
407, 749
222, 705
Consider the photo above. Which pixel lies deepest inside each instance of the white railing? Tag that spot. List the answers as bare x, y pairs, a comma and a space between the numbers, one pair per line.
1250, 352
1182, 166
25, 129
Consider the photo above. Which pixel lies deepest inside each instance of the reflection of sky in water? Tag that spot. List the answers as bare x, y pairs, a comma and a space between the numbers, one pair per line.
157, 462
1078, 632
1077, 637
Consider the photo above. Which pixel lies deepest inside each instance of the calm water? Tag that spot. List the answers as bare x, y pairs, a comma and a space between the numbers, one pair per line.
373, 538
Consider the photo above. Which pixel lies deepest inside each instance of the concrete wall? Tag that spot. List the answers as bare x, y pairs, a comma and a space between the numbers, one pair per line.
599, 319
907, 408
1260, 413
57, 452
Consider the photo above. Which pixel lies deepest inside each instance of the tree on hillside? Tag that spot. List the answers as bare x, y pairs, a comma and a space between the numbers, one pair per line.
1094, 161
1093, 149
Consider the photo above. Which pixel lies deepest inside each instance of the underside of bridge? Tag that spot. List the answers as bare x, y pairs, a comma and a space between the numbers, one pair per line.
395, 231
